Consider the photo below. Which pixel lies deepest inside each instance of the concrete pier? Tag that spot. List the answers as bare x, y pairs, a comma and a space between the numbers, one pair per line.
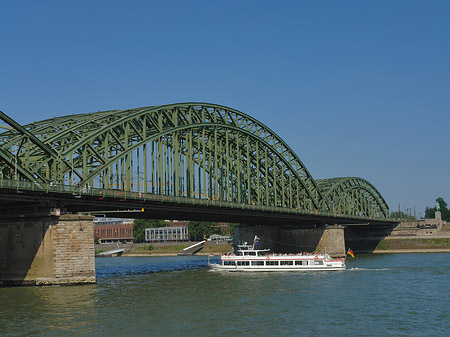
321, 239
38, 249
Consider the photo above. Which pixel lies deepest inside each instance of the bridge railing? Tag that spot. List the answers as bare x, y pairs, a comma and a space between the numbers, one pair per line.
22, 186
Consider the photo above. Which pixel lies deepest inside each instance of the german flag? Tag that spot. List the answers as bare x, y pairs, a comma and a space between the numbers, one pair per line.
350, 252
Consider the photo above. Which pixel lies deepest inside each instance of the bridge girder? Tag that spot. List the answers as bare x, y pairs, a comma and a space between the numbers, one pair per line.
353, 196
193, 150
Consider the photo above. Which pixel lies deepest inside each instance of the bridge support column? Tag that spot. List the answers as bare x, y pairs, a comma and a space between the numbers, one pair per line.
332, 241
46, 250
321, 239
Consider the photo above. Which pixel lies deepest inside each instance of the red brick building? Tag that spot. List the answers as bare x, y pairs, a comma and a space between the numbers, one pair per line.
108, 230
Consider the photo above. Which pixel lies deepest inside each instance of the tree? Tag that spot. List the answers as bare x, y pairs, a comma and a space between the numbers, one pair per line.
198, 230
445, 212
232, 227
139, 226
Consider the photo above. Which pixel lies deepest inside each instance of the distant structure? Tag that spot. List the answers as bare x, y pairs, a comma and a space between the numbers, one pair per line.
422, 226
167, 234
111, 230
217, 237
178, 223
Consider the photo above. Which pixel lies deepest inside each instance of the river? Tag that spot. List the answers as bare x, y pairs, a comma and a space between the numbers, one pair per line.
378, 295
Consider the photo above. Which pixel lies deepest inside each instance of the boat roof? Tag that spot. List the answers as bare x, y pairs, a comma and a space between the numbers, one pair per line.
246, 247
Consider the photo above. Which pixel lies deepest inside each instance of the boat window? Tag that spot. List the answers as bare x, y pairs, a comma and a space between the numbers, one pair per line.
243, 263
286, 263
271, 263
250, 253
228, 263
301, 263
315, 262
257, 263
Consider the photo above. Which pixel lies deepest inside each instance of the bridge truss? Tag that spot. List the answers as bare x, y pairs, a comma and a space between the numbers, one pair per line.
188, 150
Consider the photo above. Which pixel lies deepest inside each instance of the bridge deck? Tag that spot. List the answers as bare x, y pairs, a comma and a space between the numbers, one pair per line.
125, 203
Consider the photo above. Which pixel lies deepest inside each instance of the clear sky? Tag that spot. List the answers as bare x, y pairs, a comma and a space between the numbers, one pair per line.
356, 88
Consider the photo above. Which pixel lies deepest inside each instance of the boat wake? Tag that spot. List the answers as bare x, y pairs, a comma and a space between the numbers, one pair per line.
368, 269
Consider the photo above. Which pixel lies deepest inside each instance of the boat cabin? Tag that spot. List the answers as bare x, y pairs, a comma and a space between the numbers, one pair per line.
247, 250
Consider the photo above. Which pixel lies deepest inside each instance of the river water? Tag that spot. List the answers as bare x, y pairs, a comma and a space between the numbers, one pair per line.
378, 295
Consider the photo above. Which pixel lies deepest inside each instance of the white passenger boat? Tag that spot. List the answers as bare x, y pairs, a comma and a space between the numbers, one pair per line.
248, 258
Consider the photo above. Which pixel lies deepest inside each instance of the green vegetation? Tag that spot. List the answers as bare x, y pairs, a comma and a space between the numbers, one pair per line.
444, 242
161, 249
413, 244
445, 212
176, 248
198, 230
217, 248
383, 245
140, 225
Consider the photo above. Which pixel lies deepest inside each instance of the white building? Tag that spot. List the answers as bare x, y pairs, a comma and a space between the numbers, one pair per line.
163, 234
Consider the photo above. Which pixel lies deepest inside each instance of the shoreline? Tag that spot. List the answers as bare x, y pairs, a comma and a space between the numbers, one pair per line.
418, 250
388, 245
169, 254
386, 251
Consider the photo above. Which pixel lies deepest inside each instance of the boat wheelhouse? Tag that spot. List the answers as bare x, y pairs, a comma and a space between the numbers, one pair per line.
248, 258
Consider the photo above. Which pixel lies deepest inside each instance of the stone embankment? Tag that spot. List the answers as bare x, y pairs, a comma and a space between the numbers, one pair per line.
422, 236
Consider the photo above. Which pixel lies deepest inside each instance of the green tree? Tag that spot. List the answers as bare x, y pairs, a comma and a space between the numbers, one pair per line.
198, 230
232, 227
445, 212
139, 226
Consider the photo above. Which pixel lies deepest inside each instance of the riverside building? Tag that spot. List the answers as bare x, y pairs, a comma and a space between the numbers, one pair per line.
165, 234
111, 230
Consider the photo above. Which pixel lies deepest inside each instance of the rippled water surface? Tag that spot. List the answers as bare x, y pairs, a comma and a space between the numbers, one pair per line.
378, 295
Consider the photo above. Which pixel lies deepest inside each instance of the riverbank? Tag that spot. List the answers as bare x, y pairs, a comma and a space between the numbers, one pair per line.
166, 248
414, 244
388, 245
403, 251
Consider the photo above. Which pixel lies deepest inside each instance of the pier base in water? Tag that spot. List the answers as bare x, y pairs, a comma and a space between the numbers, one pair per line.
322, 239
46, 250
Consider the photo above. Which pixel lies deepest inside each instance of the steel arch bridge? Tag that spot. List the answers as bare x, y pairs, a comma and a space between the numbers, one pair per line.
187, 150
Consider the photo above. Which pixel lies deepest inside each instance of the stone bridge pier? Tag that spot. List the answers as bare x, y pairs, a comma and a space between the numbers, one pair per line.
279, 239
46, 249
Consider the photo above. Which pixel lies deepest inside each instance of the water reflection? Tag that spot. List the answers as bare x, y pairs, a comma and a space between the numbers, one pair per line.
48, 309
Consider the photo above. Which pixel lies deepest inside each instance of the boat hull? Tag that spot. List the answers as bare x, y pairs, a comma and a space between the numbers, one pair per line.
218, 267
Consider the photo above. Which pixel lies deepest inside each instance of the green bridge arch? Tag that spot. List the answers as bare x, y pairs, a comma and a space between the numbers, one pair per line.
192, 150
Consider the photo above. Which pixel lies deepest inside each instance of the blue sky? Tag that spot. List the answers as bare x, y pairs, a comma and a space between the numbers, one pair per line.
356, 88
